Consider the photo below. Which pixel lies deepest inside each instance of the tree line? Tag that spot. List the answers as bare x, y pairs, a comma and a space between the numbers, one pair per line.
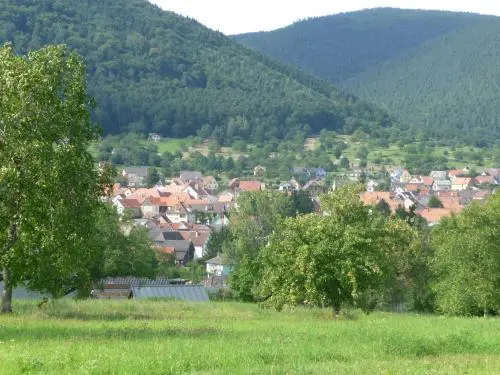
363, 256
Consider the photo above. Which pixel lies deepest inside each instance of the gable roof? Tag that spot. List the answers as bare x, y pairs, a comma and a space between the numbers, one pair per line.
250, 185
427, 180
130, 203
462, 181
485, 180
219, 260
197, 238
435, 215
138, 171
190, 175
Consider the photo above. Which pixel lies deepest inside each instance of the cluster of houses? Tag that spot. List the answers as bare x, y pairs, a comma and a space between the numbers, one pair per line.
455, 189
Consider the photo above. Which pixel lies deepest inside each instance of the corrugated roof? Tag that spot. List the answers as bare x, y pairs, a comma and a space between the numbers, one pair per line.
194, 293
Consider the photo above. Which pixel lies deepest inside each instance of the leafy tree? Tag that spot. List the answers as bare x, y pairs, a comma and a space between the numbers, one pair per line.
125, 250
252, 222
345, 163
346, 256
153, 177
435, 202
466, 263
49, 185
384, 208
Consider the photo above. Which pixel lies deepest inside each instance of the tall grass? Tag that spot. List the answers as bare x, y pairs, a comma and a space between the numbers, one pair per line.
155, 337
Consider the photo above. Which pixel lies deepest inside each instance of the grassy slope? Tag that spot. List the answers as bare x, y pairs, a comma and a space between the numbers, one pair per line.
152, 337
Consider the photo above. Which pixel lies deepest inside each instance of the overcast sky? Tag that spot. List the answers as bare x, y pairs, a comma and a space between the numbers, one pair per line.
239, 16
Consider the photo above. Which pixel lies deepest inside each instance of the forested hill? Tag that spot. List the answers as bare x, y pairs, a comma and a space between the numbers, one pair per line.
435, 70
152, 70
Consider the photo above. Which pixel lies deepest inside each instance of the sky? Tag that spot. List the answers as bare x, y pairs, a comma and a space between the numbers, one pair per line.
240, 16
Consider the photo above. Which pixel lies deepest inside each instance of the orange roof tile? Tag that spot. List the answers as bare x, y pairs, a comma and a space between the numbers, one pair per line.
250, 185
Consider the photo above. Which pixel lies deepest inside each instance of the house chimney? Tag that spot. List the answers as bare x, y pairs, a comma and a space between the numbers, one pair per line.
197, 234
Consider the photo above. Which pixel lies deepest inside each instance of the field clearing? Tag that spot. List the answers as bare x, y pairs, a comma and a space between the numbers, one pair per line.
158, 337
173, 144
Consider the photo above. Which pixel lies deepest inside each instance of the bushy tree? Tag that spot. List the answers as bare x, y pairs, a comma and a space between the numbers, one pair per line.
49, 185
466, 263
346, 256
252, 221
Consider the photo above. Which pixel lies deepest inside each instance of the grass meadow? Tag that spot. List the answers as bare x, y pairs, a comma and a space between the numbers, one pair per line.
167, 337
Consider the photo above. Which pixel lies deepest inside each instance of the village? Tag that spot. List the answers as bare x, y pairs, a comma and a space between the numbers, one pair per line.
182, 214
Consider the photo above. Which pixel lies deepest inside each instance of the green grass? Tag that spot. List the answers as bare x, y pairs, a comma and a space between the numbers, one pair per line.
173, 144
154, 337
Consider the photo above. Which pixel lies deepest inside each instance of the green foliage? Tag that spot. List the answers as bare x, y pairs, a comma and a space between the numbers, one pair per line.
435, 202
345, 257
410, 62
49, 185
155, 71
467, 260
252, 222
124, 250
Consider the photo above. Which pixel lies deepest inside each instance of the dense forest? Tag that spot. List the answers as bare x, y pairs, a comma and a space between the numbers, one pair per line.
436, 71
155, 71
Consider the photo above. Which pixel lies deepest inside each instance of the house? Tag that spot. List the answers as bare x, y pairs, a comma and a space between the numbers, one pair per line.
434, 215
112, 291
180, 212
374, 198
494, 172
439, 175
314, 187
484, 180
219, 266
136, 176
427, 181
226, 197
405, 176
182, 249
210, 184
189, 176
259, 170
452, 174
199, 240
461, 183
154, 137
441, 185
234, 183
133, 206
251, 185
413, 187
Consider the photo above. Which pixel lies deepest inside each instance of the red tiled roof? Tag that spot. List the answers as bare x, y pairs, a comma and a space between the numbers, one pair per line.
374, 197
250, 185
462, 181
434, 215
427, 180
455, 172
130, 203
485, 180
197, 238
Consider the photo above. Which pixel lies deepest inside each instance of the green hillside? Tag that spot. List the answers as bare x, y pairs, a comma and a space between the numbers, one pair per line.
152, 70
434, 70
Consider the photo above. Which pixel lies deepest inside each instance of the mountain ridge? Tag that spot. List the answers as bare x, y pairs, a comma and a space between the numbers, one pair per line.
153, 70
403, 61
